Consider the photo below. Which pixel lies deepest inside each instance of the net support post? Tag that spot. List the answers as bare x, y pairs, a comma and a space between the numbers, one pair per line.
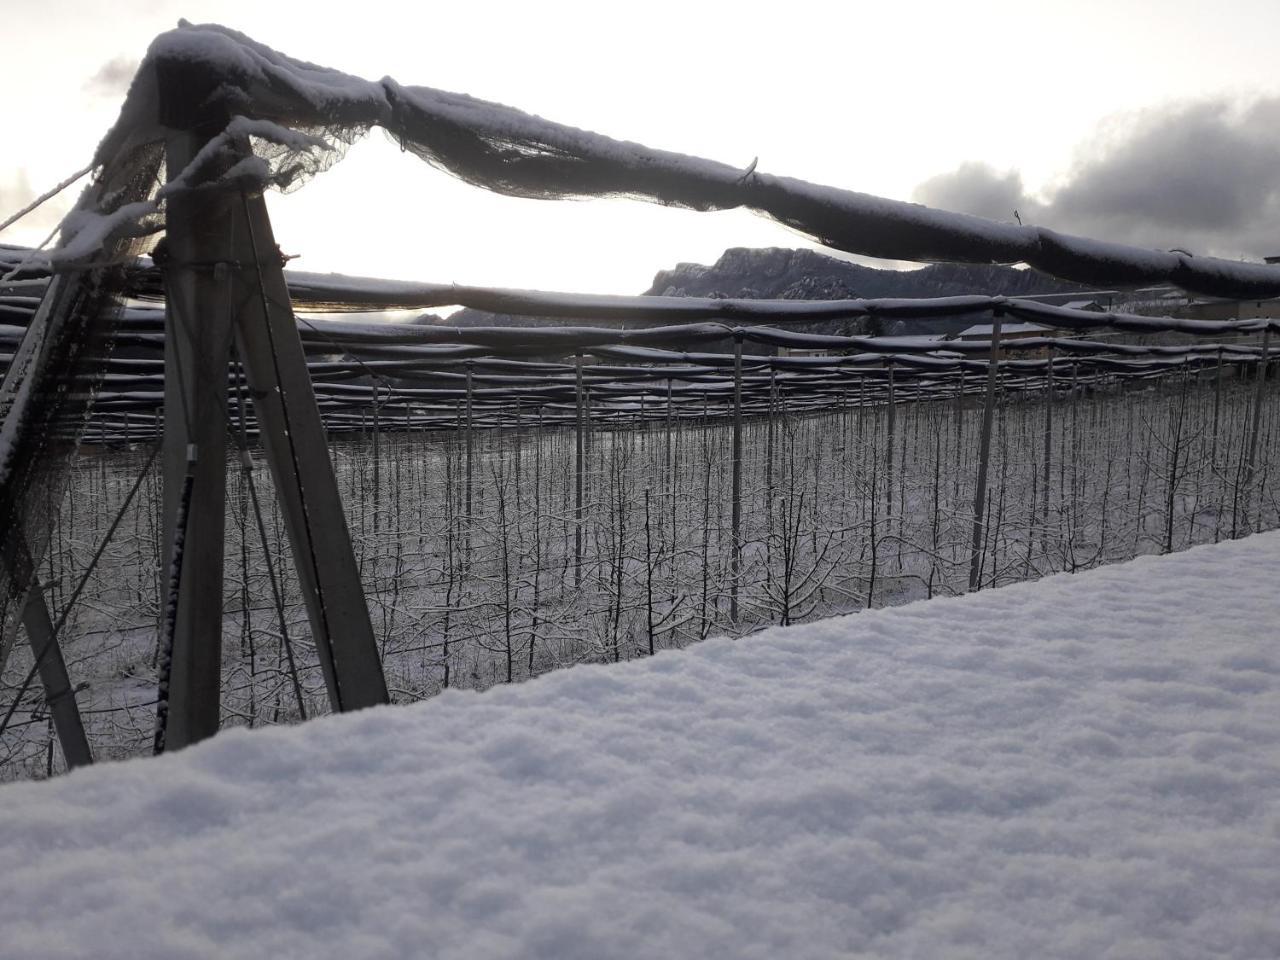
199, 228
297, 452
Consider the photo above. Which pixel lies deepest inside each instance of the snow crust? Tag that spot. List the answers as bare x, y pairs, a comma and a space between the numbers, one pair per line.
1088, 766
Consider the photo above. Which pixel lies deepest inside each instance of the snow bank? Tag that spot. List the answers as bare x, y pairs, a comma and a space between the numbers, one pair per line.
1086, 767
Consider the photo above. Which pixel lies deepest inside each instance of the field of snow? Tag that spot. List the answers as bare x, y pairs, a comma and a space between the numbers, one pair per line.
1086, 766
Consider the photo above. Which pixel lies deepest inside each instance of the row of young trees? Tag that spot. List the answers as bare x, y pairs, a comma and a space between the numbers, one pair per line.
492, 555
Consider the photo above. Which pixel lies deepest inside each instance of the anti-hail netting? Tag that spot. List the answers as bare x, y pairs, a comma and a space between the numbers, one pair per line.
298, 115
650, 376
415, 374
466, 541
55, 368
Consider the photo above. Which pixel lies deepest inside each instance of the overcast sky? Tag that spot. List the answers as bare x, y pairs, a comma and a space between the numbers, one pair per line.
1151, 123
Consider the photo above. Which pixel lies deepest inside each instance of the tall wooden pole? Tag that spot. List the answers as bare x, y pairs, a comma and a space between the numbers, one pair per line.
200, 229
224, 275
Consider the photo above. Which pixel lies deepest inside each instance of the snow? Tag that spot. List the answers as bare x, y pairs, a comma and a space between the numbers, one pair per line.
226, 146
1088, 766
85, 231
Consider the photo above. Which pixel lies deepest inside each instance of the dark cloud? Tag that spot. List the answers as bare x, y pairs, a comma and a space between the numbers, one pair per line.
1203, 176
113, 77
977, 189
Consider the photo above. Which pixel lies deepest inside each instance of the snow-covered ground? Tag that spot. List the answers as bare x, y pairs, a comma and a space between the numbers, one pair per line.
1086, 766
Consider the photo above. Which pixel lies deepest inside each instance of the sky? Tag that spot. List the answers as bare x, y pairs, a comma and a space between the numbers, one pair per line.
1123, 120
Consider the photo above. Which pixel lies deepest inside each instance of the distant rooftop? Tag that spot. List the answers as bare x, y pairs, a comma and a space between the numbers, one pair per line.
984, 329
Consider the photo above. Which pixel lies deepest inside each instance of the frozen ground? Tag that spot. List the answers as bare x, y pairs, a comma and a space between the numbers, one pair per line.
1086, 766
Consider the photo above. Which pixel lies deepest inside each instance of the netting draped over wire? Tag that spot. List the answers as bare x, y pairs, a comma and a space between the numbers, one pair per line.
268, 120
84, 336
299, 115
412, 372
48, 390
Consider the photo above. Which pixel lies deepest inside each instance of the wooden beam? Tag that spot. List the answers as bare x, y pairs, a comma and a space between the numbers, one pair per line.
58, 693
297, 452
200, 229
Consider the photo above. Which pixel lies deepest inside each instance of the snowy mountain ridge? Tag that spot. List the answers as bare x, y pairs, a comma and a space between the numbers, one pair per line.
798, 274
787, 274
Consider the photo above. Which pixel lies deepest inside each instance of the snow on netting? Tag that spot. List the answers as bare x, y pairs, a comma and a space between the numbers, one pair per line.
1083, 767
483, 565
53, 373
298, 116
858, 491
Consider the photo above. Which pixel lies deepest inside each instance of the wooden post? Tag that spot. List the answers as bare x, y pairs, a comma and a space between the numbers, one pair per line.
984, 454
297, 452
200, 229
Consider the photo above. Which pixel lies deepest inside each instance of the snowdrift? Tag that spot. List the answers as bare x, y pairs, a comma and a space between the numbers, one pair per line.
1087, 766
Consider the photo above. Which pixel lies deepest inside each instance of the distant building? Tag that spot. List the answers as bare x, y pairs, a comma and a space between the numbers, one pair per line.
1093, 306
1009, 331
1215, 308
1207, 308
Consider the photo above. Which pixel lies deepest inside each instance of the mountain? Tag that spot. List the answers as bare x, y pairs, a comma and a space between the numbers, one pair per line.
783, 274
778, 273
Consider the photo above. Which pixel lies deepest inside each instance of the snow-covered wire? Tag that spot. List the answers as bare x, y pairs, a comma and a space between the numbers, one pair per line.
46, 196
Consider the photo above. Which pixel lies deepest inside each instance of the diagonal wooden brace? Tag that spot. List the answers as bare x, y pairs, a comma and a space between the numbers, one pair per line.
226, 279
293, 437
58, 693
